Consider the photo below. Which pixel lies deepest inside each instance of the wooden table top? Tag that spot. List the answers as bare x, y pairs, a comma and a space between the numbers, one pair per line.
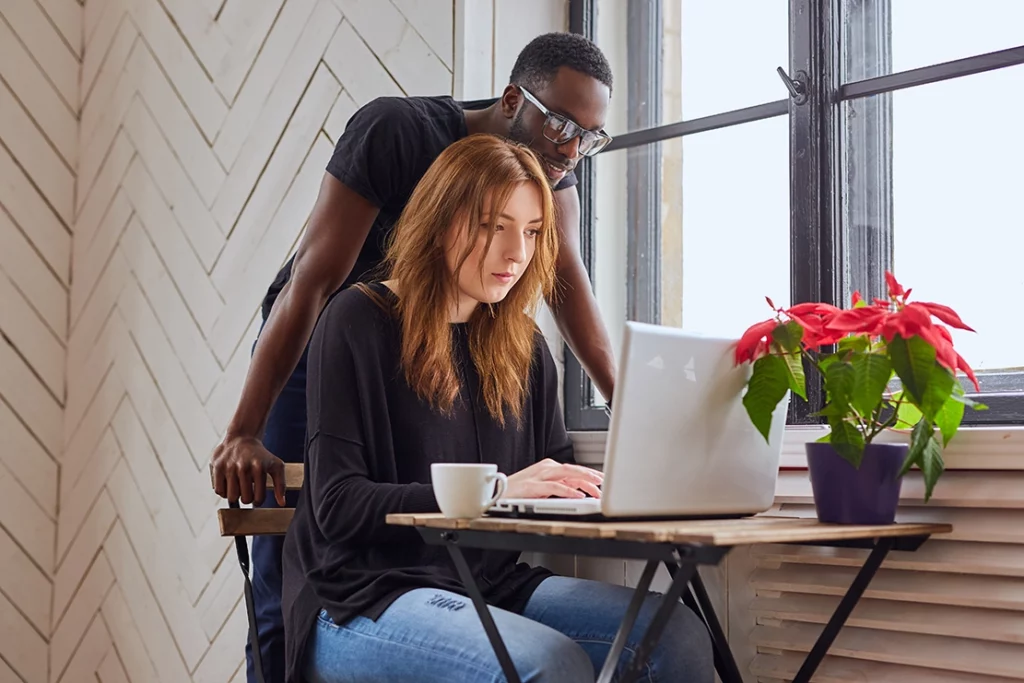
731, 532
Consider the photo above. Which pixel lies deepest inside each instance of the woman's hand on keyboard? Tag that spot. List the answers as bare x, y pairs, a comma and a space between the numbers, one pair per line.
550, 478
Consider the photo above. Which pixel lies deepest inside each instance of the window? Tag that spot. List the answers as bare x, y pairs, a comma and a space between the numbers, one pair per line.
889, 139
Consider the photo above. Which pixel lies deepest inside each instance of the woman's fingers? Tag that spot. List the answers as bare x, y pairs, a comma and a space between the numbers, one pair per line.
588, 474
557, 489
576, 472
583, 485
552, 478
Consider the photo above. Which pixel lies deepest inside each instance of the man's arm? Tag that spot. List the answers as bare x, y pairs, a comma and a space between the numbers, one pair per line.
575, 309
338, 226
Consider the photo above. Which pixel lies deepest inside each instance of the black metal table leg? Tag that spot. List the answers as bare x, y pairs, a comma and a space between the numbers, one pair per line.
490, 628
637, 601
650, 637
700, 602
842, 613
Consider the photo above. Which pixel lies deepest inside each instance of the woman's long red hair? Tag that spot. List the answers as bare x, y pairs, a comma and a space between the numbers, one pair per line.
451, 196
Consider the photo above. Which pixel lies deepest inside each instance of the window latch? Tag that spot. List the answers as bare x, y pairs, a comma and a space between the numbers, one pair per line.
797, 88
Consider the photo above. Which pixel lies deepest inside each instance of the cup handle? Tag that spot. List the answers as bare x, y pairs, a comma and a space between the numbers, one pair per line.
502, 484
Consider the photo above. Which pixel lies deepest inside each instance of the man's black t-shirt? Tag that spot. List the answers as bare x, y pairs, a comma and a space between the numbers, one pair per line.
386, 148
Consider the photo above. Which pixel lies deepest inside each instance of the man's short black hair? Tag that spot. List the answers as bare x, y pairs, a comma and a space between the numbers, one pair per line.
543, 56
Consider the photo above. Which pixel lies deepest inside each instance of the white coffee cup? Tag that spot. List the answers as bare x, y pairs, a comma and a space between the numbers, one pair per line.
466, 490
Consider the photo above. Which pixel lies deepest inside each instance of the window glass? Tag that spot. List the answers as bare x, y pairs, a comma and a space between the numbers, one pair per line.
888, 36
958, 225
703, 69
730, 51
723, 213
735, 226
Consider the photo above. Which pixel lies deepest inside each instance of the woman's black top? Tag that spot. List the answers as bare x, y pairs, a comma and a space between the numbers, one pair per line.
369, 446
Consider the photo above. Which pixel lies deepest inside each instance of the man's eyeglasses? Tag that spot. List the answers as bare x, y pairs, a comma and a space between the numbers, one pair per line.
560, 130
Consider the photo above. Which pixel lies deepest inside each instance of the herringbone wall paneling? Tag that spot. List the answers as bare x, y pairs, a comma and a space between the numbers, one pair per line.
159, 159
40, 59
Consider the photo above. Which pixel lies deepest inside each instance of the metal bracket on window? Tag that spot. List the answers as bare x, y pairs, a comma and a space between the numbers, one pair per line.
797, 88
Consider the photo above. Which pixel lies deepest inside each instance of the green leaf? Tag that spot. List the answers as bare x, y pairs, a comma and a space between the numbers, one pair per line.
932, 466
847, 440
825, 361
871, 373
949, 416
959, 396
788, 336
767, 386
831, 410
795, 373
925, 452
840, 379
907, 415
854, 343
962, 398
914, 362
918, 438
937, 392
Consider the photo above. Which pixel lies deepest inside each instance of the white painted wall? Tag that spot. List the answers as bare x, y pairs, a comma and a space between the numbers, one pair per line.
40, 55
489, 35
610, 169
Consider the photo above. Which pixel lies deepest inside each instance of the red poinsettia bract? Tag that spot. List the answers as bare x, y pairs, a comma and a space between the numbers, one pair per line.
754, 342
823, 324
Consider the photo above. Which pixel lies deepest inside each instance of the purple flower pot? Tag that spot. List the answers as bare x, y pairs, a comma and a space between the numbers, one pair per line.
847, 495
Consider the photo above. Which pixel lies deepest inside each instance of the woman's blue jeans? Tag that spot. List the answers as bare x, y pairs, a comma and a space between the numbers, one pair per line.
563, 636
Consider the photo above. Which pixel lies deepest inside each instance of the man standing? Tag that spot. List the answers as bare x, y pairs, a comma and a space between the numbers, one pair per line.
556, 103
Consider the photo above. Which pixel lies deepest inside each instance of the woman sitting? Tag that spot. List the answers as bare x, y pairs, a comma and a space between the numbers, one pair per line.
444, 363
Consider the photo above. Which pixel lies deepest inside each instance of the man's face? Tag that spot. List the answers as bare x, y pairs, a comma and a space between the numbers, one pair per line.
572, 94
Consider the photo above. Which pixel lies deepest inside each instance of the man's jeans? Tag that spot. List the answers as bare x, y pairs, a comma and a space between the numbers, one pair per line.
285, 437
563, 636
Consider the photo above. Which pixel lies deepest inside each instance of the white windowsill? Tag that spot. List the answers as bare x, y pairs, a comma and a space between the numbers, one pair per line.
973, 448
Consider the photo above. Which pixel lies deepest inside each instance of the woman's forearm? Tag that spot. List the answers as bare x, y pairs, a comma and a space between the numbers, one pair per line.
358, 513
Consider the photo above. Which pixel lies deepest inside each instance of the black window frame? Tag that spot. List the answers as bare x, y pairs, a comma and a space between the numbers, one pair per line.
827, 261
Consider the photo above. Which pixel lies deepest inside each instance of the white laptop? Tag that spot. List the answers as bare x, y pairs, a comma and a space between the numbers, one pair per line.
680, 443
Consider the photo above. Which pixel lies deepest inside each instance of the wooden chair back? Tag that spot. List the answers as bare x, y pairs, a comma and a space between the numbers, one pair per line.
263, 521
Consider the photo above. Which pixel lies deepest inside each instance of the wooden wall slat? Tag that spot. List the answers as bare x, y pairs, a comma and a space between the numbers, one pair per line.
782, 667
926, 651
887, 615
949, 589
955, 489
988, 559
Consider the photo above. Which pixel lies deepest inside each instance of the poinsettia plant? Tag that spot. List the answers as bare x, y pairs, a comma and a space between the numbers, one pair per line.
858, 351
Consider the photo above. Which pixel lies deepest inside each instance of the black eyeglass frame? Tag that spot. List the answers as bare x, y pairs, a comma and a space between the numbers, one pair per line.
599, 139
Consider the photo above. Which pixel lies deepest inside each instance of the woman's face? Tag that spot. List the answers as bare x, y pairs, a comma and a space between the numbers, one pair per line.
488, 275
